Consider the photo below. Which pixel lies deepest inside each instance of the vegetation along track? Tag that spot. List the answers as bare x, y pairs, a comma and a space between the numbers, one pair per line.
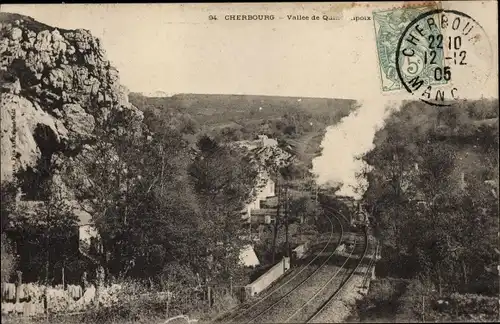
371, 264
320, 312
252, 310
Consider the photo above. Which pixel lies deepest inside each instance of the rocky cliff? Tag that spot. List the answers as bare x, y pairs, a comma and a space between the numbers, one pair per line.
56, 89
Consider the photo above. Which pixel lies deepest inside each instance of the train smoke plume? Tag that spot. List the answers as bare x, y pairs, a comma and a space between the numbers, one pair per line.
345, 143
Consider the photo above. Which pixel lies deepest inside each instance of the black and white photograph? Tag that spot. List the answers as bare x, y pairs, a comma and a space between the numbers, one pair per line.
332, 162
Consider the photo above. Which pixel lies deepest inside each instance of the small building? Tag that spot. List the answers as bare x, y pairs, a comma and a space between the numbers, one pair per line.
86, 229
262, 192
81, 239
248, 257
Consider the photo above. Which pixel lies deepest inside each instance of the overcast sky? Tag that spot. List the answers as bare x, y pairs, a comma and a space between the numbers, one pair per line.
174, 48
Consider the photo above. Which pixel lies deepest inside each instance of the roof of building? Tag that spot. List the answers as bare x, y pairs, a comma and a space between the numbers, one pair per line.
248, 257
32, 208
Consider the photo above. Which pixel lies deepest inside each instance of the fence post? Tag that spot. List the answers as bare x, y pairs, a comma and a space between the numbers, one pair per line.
168, 302
99, 283
423, 308
168, 296
62, 275
18, 285
46, 301
84, 280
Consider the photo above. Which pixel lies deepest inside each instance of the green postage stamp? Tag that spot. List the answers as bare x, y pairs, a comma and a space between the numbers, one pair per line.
389, 27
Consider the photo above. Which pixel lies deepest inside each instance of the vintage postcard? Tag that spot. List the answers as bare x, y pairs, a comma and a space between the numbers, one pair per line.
250, 162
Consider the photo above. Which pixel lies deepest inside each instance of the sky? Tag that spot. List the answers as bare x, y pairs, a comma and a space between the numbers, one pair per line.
176, 49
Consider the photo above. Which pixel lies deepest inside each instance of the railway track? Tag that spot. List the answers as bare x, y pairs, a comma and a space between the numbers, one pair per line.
317, 314
334, 283
305, 302
253, 312
368, 273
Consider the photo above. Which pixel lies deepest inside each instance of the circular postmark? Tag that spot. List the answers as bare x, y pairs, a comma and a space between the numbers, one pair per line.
442, 56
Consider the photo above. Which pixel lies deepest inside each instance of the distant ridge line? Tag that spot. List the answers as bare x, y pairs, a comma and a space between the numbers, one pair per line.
150, 95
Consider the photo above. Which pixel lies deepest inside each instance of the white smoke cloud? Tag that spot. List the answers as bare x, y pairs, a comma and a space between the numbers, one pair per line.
344, 144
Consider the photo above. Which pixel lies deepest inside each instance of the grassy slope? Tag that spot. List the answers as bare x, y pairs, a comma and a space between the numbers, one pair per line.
217, 109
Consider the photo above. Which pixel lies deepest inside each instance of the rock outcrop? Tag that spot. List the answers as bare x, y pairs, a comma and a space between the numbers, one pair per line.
56, 88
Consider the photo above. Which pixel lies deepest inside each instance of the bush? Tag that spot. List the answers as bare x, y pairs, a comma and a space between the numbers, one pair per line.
403, 300
136, 308
140, 302
8, 259
222, 304
463, 304
410, 306
382, 301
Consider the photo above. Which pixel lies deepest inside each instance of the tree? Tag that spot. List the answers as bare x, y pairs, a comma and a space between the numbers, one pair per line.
223, 179
302, 207
45, 234
427, 217
8, 191
100, 177
8, 259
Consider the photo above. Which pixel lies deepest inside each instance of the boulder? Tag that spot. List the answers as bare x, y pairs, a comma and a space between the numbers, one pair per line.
19, 119
77, 120
16, 33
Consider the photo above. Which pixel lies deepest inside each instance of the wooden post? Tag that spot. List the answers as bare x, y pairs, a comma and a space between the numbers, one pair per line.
250, 226
276, 221
18, 285
62, 275
97, 284
168, 297
423, 308
46, 302
498, 270
84, 280
287, 242
209, 293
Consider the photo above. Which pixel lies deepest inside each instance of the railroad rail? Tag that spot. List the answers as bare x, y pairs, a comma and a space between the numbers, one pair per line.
302, 310
367, 274
351, 273
253, 313
303, 281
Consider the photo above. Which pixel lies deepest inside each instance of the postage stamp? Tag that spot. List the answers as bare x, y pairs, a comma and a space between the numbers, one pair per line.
441, 55
389, 26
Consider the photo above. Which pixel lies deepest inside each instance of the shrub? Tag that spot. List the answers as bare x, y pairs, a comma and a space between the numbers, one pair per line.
382, 301
463, 304
143, 303
8, 259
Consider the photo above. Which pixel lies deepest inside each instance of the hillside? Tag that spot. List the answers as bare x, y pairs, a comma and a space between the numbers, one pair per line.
216, 109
